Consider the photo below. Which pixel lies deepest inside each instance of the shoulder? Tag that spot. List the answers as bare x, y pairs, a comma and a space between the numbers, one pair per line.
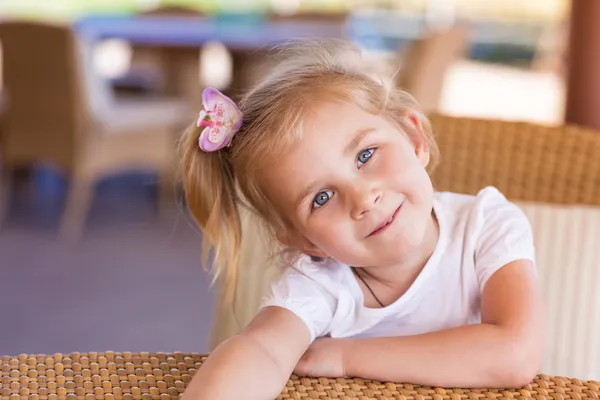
310, 290
497, 230
487, 195
309, 281
501, 223
319, 273
477, 210
490, 198
494, 211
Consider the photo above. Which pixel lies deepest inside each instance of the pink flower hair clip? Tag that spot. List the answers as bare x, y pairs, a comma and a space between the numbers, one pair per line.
221, 119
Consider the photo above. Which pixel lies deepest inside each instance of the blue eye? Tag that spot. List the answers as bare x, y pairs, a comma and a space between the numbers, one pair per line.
321, 198
364, 156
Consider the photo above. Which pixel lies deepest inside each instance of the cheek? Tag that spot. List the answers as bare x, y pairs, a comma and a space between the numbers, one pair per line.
401, 167
326, 229
411, 178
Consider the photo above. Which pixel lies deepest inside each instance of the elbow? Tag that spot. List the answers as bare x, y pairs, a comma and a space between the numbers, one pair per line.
520, 366
519, 376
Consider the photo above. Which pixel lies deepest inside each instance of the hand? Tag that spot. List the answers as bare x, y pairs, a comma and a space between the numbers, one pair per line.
324, 358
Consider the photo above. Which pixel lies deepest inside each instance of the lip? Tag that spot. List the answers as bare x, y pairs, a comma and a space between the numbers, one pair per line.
386, 223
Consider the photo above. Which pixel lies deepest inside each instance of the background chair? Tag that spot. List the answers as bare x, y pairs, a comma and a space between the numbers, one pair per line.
553, 174
426, 60
58, 111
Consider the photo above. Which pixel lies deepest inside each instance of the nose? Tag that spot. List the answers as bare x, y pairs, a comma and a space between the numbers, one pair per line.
364, 198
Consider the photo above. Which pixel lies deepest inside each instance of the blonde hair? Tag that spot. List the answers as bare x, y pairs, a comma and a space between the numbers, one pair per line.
217, 183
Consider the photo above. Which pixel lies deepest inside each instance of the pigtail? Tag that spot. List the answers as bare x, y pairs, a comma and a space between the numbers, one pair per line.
211, 197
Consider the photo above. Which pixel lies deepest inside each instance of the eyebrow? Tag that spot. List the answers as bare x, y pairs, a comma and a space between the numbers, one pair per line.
357, 139
305, 194
350, 147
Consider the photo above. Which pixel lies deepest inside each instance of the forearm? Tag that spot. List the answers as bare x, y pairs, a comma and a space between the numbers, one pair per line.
481, 355
239, 368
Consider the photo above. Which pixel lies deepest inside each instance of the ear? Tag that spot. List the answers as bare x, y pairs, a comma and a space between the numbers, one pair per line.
418, 138
298, 242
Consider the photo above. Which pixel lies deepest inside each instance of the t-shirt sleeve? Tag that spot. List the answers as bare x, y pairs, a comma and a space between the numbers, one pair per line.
505, 235
306, 295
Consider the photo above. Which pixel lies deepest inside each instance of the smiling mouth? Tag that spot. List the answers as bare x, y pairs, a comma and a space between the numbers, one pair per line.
385, 224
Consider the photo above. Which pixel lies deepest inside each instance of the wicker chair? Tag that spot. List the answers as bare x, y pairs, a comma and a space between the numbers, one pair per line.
58, 111
525, 161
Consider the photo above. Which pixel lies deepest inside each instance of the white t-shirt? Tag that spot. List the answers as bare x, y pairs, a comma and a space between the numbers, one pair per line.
477, 236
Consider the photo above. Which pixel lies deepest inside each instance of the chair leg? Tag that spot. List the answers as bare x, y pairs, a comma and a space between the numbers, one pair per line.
79, 200
6, 185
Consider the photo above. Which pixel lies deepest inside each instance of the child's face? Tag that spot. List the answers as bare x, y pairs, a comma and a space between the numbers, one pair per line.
351, 173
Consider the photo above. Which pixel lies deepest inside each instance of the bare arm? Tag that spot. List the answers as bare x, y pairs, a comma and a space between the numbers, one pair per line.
255, 364
505, 350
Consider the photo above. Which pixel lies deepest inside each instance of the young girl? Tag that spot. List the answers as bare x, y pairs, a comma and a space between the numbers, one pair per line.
393, 281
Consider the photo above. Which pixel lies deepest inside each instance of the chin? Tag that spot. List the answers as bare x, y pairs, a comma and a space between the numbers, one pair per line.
402, 245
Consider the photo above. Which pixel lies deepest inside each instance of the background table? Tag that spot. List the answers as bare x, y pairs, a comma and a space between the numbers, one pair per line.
179, 39
237, 34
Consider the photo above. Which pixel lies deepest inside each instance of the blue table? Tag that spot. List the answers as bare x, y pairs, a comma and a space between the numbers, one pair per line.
237, 34
179, 38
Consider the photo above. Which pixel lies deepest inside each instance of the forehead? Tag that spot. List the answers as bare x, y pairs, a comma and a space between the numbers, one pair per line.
331, 119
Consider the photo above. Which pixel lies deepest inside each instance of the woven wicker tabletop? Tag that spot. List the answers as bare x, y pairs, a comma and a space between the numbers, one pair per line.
114, 376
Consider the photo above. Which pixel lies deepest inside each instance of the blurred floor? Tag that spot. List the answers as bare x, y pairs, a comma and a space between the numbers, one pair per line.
133, 283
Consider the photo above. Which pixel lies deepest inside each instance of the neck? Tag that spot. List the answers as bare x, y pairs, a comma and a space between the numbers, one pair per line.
403, 273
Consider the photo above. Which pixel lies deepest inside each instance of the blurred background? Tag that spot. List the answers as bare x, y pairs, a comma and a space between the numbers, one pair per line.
96, 251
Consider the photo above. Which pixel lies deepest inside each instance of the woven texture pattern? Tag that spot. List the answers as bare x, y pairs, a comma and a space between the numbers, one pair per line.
525, 161
164, 376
